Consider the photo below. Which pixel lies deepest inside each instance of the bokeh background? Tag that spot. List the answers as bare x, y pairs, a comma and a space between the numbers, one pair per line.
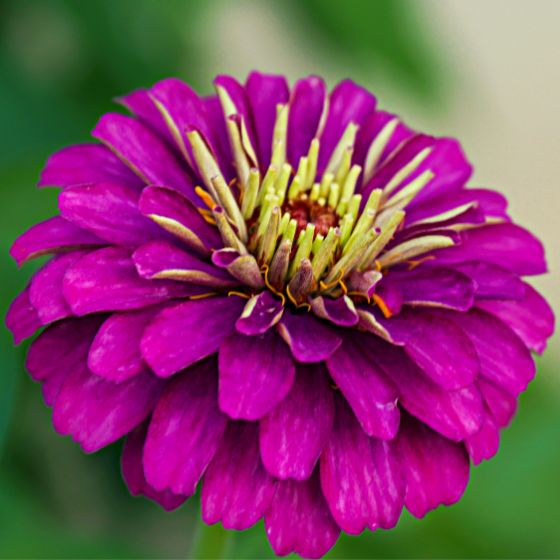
487, 71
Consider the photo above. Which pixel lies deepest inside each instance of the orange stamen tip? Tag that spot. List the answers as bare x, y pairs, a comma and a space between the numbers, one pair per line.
383, 306
240, 294
205, 197
412, 264
204, 296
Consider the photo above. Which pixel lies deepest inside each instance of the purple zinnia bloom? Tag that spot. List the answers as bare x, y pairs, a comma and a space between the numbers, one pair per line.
285, 296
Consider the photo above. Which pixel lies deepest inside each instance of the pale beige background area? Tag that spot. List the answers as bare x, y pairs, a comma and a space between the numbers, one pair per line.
501, 59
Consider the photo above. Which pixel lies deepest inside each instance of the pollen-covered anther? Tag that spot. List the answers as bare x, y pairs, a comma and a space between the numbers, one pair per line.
286, 217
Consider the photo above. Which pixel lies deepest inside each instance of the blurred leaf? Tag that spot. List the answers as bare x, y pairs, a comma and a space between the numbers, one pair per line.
377, 33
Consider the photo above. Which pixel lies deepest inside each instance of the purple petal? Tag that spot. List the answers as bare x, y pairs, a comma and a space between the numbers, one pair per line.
176, 214
264, 92
506, 245
84, 164
236, 489
293, 435
299, 520
140, 104
185, 431
454, 414
436, 469
388, 296
370, 130
97, 412
360, 477
260, 314
531, 318
501, 405
133, 472
45, 290
58, 351
340, 311
238, 95
144, 152
306, 107
348, 103
436, 287
205, 324
109, 211
483, 445
54, 235
106, 280
243, 267
492, 281
184, 110
504, 358
437, 345
115, 351
22, 319
369, 392
256, 373
310, 340
165, 261
490, 203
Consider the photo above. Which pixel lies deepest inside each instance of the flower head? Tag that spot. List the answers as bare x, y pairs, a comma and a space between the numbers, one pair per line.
284, 296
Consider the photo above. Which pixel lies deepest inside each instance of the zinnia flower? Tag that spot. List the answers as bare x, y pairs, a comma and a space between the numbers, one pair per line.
285, 297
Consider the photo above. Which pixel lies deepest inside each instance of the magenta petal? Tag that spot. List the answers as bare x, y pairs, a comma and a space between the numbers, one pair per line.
22, 319
109, 211
504, 358
185, 430
506, 245
370, 130
115, 351
501, 405
436, 287
164, 260
133, 472
310, 340
184, 109
348, 103
293, 435
454, 414
205, 324
45, 290
299, 520
58, 351
97, 412
531, 318
256, 373
176, 214
436, 469
360, 477
483, 445
265, 92
306, 107
437, 345
340, 311
86, 163
260, 314
139, 103
54, 235
492, 281
368, 390
106, 280
144, 152
236, 489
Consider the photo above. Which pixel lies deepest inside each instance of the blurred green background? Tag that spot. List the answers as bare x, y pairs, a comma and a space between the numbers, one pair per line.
61, 63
